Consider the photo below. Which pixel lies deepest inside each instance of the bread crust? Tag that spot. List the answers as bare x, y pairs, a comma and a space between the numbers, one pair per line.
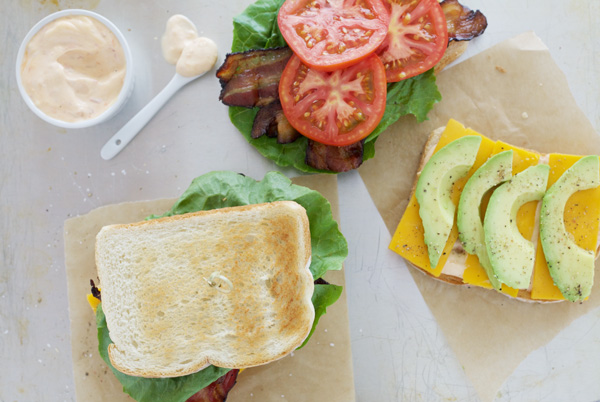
430, 145
454, 50
167, 320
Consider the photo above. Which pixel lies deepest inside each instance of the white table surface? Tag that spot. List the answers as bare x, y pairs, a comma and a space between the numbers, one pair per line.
48, 175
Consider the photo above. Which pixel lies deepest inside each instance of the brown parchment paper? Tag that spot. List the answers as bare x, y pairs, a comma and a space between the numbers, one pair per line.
321, 371
513, 92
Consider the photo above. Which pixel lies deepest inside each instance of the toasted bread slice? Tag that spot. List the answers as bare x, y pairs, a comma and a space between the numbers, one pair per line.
229, 287
457, 257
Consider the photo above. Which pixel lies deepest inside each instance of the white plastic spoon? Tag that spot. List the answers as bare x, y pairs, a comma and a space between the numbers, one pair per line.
124, 136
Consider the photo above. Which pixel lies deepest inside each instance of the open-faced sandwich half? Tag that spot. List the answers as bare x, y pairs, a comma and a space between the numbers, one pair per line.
489, 214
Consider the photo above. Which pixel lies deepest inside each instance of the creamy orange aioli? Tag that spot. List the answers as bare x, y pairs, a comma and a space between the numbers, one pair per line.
181, 46
73, 69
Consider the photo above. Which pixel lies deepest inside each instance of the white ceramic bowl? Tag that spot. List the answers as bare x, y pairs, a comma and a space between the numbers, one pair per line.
124, 94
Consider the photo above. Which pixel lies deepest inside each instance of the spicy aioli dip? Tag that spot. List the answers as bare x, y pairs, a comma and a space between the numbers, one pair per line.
73, 69
192, 55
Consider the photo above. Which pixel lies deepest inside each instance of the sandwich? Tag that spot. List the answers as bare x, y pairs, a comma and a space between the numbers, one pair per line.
229, 279
489, 214
282, 81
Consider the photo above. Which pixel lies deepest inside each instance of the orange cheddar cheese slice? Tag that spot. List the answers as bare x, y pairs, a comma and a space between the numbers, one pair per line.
475, 274
408, 239
93, 302
582, 215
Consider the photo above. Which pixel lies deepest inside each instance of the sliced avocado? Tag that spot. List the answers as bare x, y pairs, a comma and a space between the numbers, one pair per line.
511, 255
571, 267
434, 191
470, 227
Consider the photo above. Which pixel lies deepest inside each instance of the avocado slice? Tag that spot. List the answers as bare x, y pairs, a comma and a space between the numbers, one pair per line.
434, 191
470, 227
511, 255
571, 267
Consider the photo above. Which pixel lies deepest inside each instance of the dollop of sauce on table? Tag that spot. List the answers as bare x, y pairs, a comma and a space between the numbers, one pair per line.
192, 55
74, 68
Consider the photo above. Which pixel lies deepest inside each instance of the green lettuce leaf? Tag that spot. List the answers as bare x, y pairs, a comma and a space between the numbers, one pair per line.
177, 389
323, 297
256, 28
293, 154
415, 96
228, 189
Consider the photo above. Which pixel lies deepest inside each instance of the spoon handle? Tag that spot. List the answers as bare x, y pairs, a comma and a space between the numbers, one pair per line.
118, 141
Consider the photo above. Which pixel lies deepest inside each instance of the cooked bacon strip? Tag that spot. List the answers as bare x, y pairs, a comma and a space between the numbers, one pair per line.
271, 121
95, 290
335, 159
286, 134
264, 122
251, 78
217, 391
463, 23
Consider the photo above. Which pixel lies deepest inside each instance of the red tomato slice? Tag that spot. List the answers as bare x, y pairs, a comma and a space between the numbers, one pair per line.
331, 34
339, 107
416, 40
